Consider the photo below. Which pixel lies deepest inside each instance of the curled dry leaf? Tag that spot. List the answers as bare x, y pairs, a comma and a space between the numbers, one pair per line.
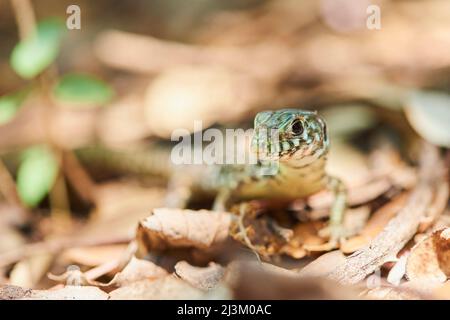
201, 278
430, 258
137, 270
164, 288
175, 228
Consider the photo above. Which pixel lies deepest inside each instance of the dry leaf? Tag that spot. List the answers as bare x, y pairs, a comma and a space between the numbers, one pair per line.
168, 287
94, 256
253, 281
28, 272
175, 228
305, 234
430, 258
345, 161
69, 293
225, 88
375, 224
441, 292
392, 293
323, 265
357, 195
436, 208
201, 278
137, 270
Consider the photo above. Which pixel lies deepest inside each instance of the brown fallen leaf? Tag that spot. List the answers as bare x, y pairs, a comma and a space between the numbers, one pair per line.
401, 228
323, 264
436, 208
68, 293
164, 288
304, 234
137, 270
254, 281
202, 278
29, 271
93, 256
442, 292
430, 258
392, 293
442, 245
175, 228
356, 195
375, 224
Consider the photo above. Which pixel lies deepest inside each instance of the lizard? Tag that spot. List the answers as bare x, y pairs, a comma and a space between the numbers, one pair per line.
299, 149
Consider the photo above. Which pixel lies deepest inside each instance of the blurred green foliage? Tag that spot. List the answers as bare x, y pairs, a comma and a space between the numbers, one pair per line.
10, 104
36, 175
83, 88
35, 53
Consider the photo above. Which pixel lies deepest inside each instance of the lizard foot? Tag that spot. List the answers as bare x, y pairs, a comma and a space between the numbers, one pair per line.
336, 235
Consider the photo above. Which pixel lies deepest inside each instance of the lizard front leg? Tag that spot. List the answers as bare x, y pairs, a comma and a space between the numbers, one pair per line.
335, 229
222, 200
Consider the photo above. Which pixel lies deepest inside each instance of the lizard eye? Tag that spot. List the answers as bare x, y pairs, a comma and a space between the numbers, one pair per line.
297, 127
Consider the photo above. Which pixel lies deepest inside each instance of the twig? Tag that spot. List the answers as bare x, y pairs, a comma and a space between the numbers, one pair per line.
26, 21
78, 176
401, 228
7, 186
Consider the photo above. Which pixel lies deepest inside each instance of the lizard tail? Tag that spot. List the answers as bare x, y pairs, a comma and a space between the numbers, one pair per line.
153, 160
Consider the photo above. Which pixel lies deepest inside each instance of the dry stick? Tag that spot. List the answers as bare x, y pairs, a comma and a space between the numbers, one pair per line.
78, 177
7, 186
401, 228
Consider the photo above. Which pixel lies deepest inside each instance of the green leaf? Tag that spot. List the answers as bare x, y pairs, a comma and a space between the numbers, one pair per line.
32, 55
9, 105
36, 175
83, 89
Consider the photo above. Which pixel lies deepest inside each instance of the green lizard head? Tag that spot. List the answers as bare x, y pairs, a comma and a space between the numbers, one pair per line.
290, 135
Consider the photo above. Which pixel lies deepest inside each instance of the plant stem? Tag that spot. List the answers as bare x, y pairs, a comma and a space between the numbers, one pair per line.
24, 13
